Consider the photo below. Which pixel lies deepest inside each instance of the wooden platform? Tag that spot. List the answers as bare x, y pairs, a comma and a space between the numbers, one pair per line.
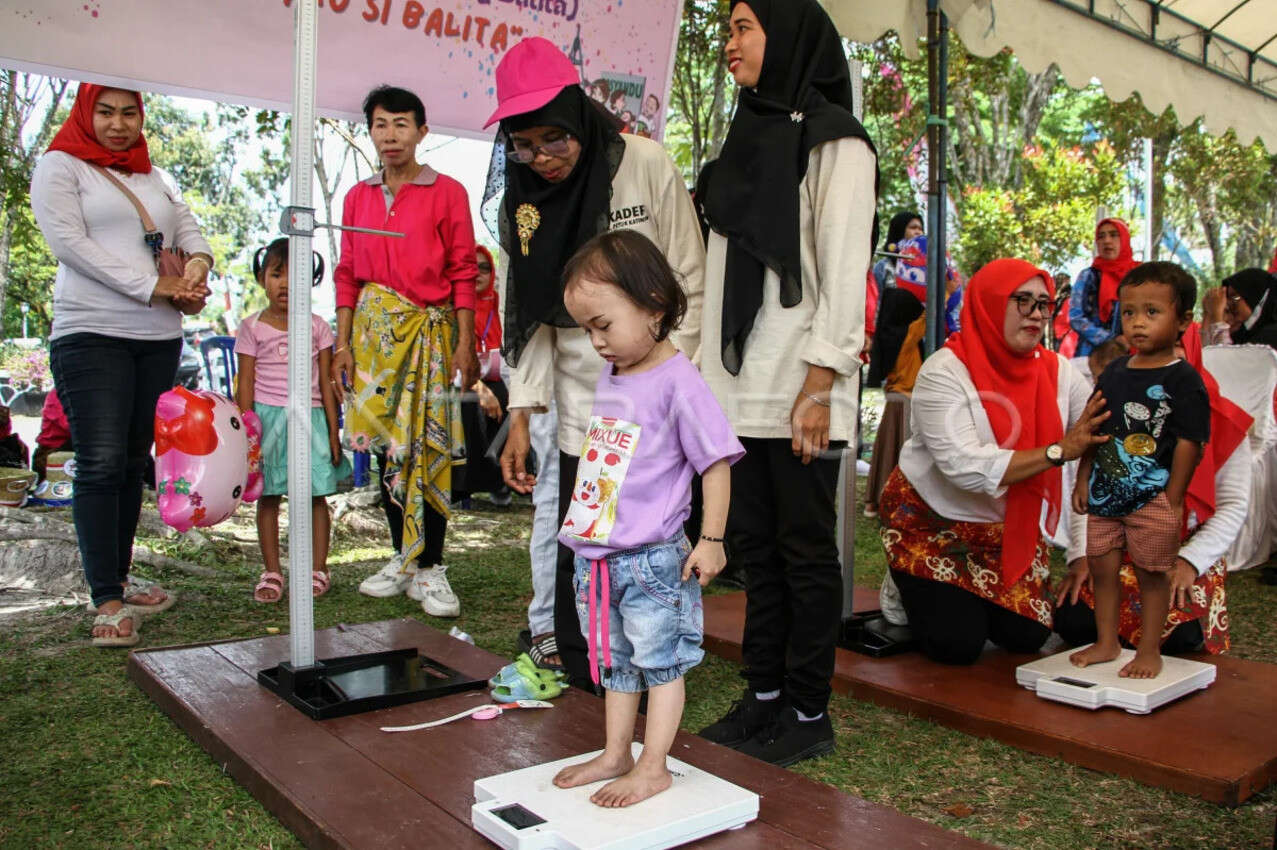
1219, 744
344, 783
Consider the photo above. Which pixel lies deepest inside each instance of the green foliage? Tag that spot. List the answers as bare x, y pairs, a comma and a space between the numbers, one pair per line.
703, 94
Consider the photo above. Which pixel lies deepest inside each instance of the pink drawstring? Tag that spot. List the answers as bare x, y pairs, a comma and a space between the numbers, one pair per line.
599, 571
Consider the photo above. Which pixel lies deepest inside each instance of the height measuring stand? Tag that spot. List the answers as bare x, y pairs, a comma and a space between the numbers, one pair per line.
332, 686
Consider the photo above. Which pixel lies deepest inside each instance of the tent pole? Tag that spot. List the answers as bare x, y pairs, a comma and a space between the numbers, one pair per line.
301, 613
937, 142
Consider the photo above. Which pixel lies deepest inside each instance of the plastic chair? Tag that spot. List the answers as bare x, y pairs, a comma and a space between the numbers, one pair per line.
222, 350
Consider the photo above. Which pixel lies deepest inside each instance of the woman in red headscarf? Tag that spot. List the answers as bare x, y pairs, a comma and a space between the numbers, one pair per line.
1214, 511
964, 516
1092, 307
483, 413
117, 328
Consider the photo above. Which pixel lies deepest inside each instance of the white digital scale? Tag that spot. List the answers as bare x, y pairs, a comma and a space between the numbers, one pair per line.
523, 810
1098, 685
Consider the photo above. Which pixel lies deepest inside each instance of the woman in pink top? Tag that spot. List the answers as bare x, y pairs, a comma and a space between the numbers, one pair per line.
405, 329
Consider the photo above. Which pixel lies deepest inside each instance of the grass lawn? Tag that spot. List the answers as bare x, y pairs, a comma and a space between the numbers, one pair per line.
87, 761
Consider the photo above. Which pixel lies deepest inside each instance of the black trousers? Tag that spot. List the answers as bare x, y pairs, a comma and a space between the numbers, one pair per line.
781, 530
109, 387
951, 625
573, 650
436, 523
1075, 623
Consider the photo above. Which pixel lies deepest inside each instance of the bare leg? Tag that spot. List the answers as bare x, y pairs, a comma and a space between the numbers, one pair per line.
1155, 604
1104, 571
649, 776
621, 711
319, 533
268, 539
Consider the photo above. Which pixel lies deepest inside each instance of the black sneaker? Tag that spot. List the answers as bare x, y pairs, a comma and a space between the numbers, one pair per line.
747, 717
789, 740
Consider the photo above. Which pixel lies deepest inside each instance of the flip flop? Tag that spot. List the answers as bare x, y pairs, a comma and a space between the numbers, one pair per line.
272, 581
114, 620
141, 587
319, 583
524, 688
524, 666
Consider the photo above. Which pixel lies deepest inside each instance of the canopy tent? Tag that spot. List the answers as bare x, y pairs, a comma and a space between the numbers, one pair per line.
1214, 59
238, 52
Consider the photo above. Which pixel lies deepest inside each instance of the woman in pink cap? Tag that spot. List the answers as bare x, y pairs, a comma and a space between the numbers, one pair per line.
569, 175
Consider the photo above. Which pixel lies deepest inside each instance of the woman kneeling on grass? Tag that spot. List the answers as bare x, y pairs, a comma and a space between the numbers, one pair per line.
654, 424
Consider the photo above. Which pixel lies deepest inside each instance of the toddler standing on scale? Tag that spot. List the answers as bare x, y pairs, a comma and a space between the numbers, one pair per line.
1133, 486
653, 426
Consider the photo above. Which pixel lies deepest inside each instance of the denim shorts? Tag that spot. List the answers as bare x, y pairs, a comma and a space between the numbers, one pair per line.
655, 618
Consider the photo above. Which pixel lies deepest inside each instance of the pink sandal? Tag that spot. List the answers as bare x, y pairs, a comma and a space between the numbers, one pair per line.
270, 582
319, 583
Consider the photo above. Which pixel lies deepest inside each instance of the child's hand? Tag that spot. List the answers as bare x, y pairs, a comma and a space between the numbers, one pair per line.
706, 561
1080, 497
334, 448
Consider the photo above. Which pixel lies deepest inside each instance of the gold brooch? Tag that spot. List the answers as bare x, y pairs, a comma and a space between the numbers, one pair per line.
528, 219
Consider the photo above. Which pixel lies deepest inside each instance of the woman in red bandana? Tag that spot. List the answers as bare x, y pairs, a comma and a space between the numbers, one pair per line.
117, 328
995, 415
1093, 305
1214, 511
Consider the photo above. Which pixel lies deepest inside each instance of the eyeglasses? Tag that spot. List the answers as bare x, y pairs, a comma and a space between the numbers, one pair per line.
1028, 305
484, 267
525, 153
1233, 299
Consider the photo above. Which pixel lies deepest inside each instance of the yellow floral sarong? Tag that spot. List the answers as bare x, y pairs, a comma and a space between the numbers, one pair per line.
402, 402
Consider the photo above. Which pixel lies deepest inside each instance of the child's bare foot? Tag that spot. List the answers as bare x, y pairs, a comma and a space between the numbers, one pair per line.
1145, 665
635, 786
602, 766
1096, 653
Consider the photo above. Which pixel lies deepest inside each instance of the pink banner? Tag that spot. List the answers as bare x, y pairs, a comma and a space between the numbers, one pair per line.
240, 51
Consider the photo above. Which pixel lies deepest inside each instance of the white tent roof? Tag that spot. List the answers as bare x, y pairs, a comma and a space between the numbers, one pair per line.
1211, 58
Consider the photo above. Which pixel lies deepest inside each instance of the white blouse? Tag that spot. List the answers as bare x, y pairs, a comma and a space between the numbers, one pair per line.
952, 458
106, 272
955, 464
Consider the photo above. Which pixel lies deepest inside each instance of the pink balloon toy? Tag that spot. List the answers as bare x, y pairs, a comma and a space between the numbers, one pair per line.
207, 457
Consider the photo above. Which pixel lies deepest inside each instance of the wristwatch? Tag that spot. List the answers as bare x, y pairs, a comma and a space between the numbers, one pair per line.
1055, 454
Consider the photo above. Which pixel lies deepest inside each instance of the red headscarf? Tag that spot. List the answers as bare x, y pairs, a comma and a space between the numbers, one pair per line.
1112, 271
78, 139
1272, 267
1019, 392
487, 313
1228, 427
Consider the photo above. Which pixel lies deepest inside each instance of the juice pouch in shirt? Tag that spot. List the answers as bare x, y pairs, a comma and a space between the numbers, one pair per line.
605, 459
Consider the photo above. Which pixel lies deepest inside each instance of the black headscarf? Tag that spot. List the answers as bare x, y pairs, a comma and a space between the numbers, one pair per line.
803, 98
568, 213
1253, 285
897, 226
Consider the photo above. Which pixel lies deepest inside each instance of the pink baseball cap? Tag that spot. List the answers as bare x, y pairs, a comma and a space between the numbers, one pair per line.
529, 76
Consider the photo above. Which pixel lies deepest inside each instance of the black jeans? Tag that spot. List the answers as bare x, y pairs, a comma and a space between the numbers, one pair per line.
573, 650
109, 387
781, 530
1075, 623
951, 625
436, 523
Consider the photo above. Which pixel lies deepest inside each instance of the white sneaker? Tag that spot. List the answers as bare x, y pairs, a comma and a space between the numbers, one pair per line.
390, 580
430, 587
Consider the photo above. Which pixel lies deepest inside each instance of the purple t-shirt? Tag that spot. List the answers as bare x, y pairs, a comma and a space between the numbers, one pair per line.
269, 346
648, 434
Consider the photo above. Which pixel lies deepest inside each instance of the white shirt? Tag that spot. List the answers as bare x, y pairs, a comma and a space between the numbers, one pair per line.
955, 464
648, 195
954, 461
106, 272
826, 328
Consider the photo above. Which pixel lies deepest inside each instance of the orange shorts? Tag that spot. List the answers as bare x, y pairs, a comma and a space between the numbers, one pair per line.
1150, 535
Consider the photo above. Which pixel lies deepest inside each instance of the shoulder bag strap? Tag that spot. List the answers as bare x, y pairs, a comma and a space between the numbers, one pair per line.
147, 223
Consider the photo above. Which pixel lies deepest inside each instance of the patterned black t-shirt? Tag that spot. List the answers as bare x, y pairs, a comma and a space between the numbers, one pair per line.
1151, 410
